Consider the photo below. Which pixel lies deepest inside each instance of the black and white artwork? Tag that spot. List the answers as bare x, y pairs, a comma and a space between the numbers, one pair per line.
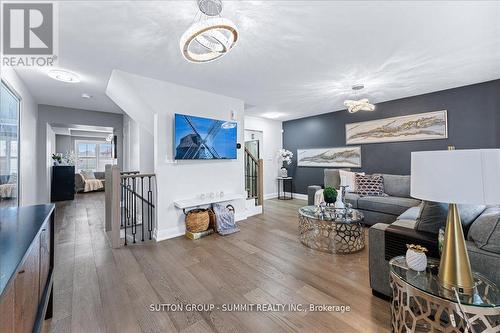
420, 126
338, 157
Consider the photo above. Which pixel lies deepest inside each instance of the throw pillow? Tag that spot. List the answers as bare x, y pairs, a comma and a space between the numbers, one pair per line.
485, 231
87, 174
348, 178
433, 216
372, 185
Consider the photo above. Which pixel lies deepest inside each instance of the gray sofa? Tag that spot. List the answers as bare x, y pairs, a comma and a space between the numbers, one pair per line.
80, 184
482, 240
384, 209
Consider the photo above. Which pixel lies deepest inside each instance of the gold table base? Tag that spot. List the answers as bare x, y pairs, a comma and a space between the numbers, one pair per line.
331, 236
413, 310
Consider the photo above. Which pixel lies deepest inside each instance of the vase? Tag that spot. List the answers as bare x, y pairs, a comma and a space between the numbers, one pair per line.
441, 241
283, 172
416, 260
339, 203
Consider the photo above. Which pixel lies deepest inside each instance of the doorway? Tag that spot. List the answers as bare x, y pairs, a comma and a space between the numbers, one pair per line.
254, 165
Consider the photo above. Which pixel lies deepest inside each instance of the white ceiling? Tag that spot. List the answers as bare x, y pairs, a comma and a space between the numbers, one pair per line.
294, 58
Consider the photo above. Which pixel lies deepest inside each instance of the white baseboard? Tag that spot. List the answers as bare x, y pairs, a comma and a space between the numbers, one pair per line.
160, 235
270, 196
240, 216
255, 210
300, 196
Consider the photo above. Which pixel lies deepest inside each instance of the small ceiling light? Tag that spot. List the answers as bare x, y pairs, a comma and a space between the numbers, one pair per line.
273, 115
211, 36
363, 104
64, 76
86, 96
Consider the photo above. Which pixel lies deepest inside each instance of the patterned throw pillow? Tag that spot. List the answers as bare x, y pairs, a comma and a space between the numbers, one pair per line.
372, 185
87, 174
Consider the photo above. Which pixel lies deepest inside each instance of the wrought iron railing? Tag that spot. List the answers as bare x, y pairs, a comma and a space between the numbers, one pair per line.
254, 177
137, 205
130, 206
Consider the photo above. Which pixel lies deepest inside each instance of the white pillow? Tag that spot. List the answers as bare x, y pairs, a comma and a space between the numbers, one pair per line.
348, 178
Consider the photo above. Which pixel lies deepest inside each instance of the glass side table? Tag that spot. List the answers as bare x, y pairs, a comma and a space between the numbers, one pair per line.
420, 304
331, 230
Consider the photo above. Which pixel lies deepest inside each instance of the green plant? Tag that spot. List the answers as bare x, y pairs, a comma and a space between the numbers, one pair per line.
330, 194
57, 157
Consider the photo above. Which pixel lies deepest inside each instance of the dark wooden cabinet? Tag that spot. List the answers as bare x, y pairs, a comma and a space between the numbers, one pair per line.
63, 183
7, 317
27, 262
27, 285
44, 258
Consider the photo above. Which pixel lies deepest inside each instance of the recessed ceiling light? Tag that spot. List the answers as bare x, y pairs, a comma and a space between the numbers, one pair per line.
86, 96
273, 115
64, 76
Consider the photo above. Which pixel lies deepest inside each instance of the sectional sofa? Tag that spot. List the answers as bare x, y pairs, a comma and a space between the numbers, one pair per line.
381, 209
398, 219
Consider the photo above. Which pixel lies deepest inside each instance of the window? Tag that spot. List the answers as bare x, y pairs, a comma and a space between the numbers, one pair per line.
92, 155
9, 141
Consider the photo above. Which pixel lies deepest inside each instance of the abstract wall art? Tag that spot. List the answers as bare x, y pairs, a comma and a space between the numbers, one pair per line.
420, 126
339, 157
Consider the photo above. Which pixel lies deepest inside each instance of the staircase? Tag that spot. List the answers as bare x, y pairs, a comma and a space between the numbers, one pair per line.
254, 184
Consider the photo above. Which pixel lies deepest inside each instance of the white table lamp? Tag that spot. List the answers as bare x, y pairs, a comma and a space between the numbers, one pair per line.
456, 177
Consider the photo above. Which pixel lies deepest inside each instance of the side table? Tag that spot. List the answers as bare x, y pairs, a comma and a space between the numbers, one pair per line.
420, 304
282, 181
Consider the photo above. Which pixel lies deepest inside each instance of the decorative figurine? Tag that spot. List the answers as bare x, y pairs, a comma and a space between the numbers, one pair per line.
416, 258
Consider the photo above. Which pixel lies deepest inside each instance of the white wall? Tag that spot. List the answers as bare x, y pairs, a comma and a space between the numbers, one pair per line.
151, 101
27, 150
272, 142
51, 149
138, 147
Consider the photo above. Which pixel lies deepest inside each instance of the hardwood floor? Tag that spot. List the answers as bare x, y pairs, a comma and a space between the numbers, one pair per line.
98, 289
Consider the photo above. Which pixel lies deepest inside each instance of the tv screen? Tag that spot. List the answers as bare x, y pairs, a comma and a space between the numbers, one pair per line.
203, 138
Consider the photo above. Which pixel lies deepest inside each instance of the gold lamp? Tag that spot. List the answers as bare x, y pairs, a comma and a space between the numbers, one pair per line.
456, 177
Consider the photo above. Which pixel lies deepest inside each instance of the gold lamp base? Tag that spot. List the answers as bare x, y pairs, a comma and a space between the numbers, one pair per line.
454, 268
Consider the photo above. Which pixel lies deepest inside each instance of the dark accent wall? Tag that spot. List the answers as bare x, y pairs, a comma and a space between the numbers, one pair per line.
473, 122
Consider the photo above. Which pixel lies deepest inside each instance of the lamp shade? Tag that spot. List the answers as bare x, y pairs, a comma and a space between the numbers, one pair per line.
456, 176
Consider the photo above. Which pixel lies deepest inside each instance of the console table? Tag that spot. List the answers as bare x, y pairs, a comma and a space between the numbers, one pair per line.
197, 202
420, 304
26, 267
282, 186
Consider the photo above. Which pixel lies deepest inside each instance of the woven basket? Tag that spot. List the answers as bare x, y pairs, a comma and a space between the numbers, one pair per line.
197, 220
213, 219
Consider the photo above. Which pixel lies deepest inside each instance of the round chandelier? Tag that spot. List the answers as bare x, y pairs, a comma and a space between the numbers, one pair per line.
363, 104
211, 36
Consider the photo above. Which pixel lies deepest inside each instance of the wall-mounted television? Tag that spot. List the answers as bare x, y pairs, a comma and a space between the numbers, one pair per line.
198, 138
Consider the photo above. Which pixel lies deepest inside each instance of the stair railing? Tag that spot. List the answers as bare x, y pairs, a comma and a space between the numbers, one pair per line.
130, 206
254, 182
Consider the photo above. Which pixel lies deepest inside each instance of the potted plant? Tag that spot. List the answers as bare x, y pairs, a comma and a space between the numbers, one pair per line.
284, 156
57, 158
330, 195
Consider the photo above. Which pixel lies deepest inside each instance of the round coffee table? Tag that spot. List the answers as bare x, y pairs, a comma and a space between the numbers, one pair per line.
332, 230
420, 304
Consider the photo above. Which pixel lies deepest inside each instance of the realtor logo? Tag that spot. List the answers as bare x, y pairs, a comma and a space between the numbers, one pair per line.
28, 29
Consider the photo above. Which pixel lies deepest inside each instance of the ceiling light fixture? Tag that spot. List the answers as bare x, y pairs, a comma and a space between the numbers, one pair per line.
273, 115
363, 104
64, 76
211, 36
86, 96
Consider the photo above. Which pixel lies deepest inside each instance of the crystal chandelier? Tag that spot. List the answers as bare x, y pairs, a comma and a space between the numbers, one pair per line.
363, 104
211, 36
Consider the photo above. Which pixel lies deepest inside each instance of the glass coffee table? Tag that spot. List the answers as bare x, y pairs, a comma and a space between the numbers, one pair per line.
331, 230
420, 304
